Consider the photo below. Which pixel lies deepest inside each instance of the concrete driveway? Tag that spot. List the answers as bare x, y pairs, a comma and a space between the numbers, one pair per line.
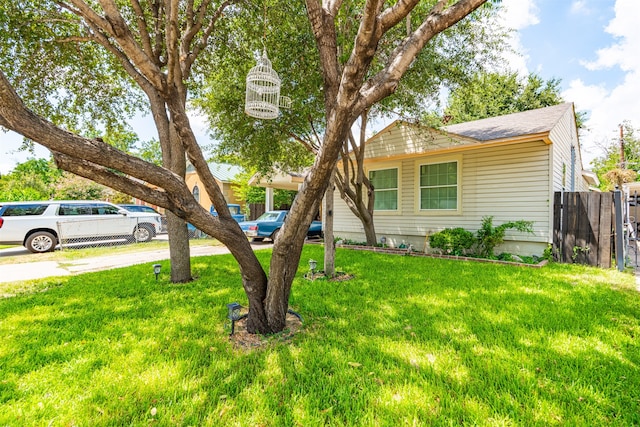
41, 269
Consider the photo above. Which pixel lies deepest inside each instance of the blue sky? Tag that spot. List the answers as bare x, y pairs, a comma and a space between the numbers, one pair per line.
592, 46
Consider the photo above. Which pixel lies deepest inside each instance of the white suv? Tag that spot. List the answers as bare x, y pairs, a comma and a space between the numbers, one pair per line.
39, 226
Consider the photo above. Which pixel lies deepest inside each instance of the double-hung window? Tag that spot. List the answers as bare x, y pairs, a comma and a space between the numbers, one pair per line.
385, 188
439, 186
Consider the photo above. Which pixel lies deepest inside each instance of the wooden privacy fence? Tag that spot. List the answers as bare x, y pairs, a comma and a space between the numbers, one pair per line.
583, 228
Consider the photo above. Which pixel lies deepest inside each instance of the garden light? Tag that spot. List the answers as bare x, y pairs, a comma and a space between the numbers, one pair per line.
234, 314
156, 270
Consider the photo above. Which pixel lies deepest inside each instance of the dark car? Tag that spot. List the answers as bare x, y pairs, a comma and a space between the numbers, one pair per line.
269, 223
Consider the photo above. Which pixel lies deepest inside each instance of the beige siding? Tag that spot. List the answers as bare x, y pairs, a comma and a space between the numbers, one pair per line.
401, 140
563, 137
509, 182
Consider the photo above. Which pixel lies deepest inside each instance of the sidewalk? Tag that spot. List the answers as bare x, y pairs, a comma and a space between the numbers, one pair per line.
42, 269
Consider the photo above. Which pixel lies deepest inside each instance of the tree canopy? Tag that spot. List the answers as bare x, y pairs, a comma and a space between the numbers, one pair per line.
610, 167
495, 94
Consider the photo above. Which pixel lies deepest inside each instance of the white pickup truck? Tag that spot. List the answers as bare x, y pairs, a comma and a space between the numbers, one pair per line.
40, 226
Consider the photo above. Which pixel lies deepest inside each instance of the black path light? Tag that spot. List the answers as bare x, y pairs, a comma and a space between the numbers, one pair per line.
156, 270
234, 314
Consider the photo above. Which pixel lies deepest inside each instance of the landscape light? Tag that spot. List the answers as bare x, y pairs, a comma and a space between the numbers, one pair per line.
312, 265
156, 270
234, 314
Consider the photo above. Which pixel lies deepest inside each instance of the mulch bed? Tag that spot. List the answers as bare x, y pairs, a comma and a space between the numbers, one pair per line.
396, 251
243, 340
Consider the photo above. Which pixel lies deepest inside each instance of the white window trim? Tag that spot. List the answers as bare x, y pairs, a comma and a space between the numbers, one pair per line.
434, 161
397, 167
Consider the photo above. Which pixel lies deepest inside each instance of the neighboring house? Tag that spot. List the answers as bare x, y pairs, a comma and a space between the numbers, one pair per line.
224, 175
507, 167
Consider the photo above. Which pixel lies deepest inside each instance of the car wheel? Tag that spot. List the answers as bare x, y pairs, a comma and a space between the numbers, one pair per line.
274, 234
41, 241
142, 233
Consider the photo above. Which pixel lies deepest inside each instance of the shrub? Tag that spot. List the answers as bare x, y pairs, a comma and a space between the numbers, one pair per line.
489, 237
455, 241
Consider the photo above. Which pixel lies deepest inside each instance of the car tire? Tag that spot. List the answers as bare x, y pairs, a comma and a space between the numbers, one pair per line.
274, 234
142, 233
41, 242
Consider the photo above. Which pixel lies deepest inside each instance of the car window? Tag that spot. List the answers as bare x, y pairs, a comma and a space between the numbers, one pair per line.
235, 210
24, 210
99, 209
269, 216
69, 209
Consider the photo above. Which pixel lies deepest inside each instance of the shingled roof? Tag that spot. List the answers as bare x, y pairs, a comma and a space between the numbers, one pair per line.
512, 125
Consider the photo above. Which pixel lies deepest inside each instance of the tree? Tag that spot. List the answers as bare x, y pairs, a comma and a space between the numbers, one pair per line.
621, 159
78, 78
448, 61
31, 180
349, 88
496, 94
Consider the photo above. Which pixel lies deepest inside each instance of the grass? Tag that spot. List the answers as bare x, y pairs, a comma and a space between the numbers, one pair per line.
116, 248
407, 341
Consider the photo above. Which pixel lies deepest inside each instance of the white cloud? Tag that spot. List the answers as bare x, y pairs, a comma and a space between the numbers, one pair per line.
624, 27
519, 14
608, 107
516, 15
580, 7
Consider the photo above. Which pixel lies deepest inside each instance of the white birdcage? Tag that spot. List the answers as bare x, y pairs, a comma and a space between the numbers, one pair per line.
262, 99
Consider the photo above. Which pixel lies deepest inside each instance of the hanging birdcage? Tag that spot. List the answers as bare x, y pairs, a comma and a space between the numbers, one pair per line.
262, 99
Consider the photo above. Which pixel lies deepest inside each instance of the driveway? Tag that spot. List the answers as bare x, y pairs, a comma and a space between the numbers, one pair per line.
42, 269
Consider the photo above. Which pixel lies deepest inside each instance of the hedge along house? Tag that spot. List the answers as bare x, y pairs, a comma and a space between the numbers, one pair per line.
224, 175
508, 167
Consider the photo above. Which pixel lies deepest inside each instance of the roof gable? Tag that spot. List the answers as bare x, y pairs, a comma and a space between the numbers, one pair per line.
406, 139
541, 120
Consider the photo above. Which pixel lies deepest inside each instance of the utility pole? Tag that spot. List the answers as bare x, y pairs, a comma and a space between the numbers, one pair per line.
622, 160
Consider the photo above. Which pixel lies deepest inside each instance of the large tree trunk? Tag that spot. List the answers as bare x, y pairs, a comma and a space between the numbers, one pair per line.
329, 241
179, 250
173, 158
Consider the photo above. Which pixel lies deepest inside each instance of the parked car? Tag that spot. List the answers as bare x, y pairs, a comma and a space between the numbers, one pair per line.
39, 226
147, 209
269, 223
236, 212
139, 208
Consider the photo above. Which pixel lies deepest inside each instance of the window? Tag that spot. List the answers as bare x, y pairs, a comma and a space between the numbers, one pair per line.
439, 186
24, 210
69, 209
385, 188
196, 193
98, 209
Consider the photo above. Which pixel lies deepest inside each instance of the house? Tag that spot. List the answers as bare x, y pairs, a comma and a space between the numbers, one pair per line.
224, 175
507, 167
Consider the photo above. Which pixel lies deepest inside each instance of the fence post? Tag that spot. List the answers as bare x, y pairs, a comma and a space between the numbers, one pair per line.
617, 203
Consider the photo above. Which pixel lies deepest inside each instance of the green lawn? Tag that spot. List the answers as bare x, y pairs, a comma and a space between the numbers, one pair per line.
407, 341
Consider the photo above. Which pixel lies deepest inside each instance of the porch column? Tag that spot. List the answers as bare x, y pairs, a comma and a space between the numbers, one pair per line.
268, 202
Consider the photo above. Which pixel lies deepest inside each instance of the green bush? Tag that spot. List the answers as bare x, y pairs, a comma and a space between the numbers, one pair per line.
489, 236
454, 241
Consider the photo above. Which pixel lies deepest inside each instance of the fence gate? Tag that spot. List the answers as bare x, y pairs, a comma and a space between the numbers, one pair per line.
583, 228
